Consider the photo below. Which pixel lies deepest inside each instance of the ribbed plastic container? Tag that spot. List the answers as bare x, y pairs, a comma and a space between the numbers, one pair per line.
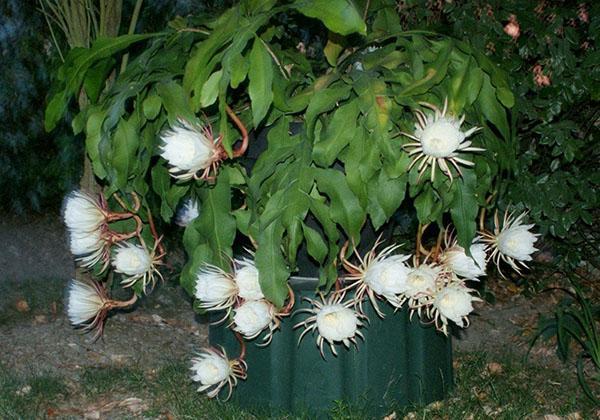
399, 362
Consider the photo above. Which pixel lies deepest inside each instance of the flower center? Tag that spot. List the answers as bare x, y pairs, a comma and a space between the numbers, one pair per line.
441, 139
331, 319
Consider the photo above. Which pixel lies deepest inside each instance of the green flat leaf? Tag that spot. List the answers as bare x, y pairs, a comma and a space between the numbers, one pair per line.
95, 78
202, 61
464, 208
93, 130
337, 135
210, 89
174, 101
434, 72
260, 75
333, 48
124, 157
316, 246
271, 264
345, 207
491, 108
75, 67
338, 15
151, 106
386, 194
322, 101
239, 70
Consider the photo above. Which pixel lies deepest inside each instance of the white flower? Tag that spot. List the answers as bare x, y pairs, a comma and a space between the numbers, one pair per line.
334, 321
215, 289
84, 303
511, 243
88, 247
453, 302
422, 281
132, 260
438, 141
252, 317
517, 242
82, 213
246, 278
462, 265
378, 275
187, 212
210, 369
214, 370
136, 263
188, 149
387, 277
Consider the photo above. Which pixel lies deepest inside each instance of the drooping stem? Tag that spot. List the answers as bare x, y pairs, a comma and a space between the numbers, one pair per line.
482, 213
157, 239
242, 342
118, 304
438, 245
244, 146
292, 300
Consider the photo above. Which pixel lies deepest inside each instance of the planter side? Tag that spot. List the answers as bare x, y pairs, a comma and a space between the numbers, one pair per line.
400, 362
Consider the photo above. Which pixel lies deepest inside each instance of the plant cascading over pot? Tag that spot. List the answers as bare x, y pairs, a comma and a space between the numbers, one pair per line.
382, 117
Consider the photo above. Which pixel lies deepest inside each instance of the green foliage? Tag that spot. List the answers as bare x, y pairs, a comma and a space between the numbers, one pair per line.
335, 151
557, 125
575, 321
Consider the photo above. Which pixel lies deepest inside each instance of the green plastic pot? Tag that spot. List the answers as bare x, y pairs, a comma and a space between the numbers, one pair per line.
399, 362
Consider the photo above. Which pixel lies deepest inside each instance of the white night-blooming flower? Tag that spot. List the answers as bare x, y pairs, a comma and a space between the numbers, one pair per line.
464, 266
252, 317
336, 322
421, 281
210, 369
213, 370
84, 303
132, 260
87, 247
188, 149
517, 242
387, 277
513, 243
82, 213
187, 212
215, 289
453, 302
438, 142
246, 278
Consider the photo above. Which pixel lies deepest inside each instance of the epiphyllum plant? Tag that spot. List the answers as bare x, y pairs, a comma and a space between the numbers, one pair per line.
348, 142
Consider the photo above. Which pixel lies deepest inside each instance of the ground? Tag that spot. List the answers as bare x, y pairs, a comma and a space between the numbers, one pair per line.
139, 369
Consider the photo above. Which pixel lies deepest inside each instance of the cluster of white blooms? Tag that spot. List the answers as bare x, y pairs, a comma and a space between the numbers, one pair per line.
85, 220
437, 288
434, 288
240, 292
